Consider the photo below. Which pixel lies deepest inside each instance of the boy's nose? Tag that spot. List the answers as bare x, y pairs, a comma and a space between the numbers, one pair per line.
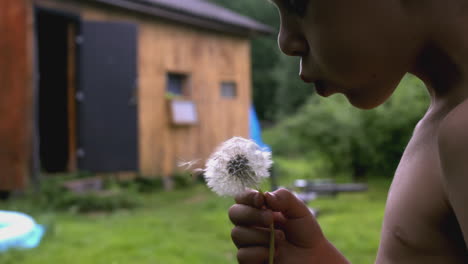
292, 43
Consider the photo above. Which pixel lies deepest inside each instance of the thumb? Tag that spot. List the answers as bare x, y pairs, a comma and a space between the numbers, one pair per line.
300, 226
287, 203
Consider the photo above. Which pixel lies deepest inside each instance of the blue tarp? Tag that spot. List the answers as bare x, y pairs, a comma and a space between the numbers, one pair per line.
255, 129
18, 230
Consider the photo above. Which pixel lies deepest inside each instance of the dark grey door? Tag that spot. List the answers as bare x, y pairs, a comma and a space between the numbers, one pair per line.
107, 112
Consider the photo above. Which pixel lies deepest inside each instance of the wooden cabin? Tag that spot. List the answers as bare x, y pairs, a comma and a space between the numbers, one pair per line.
119, 85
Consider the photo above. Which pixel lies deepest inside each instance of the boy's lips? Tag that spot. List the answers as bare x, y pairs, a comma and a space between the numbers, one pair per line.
321, 86
306, 79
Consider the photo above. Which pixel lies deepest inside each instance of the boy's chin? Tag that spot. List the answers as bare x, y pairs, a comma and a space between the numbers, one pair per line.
372, 95
366, 101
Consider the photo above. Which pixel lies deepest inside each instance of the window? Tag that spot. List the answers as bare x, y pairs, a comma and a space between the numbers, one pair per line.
176, 84
183, 111
228, 89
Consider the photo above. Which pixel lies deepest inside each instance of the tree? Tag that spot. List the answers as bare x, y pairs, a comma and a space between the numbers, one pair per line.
352, 141
277, 90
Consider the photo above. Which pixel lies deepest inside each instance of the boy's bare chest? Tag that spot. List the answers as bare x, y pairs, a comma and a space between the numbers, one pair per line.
419, 225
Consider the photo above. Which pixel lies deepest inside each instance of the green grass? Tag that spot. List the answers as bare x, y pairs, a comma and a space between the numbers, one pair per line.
187, 226
353, 221
289, 169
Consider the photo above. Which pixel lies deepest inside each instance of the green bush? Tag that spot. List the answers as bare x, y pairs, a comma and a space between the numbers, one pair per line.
352, 141
143, 184
98, 201
53, 196
182, 179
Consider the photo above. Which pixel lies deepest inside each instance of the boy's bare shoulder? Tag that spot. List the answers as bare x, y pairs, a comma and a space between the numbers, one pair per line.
453, 152
453, 136
453, 144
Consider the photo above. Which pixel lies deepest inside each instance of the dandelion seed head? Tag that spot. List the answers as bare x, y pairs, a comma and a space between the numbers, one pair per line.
236, 165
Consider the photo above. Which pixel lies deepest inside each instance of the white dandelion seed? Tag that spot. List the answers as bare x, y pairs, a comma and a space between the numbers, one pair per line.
187, 165
236, 165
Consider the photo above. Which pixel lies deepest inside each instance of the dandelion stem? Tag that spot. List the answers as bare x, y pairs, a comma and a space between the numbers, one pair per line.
271, 258
272, 244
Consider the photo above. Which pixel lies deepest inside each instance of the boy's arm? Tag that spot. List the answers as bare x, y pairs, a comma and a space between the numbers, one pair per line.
453, 149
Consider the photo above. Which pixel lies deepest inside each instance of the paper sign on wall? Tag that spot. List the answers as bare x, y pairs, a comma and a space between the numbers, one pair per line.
183, 112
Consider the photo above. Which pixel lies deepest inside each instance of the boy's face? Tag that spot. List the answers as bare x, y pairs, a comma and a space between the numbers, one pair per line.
361, 48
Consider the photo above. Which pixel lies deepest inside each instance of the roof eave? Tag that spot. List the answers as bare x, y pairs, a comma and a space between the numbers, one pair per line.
189, 19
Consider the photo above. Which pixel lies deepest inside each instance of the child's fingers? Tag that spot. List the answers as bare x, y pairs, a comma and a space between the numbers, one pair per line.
250, 237
252, 198
255, 236
279, 220
245, 215
252, 255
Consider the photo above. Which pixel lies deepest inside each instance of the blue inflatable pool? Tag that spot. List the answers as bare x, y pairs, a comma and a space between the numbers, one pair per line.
18, 230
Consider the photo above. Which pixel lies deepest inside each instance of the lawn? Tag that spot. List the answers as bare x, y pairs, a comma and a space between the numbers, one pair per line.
188, 226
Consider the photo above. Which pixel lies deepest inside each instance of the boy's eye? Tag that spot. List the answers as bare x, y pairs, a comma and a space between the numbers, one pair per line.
298, 7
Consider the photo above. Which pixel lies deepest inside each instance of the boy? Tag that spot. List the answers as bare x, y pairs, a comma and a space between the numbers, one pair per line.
362, 48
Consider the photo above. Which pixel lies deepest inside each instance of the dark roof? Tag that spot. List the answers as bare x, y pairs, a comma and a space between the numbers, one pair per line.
196, 13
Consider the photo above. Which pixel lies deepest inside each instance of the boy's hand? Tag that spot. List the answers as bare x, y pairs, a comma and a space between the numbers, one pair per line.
298, 236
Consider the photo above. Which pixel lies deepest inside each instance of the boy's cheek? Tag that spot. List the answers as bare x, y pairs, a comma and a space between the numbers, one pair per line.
349, 64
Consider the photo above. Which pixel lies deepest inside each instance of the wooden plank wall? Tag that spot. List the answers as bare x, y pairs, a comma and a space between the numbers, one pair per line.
208, 58
15, 92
